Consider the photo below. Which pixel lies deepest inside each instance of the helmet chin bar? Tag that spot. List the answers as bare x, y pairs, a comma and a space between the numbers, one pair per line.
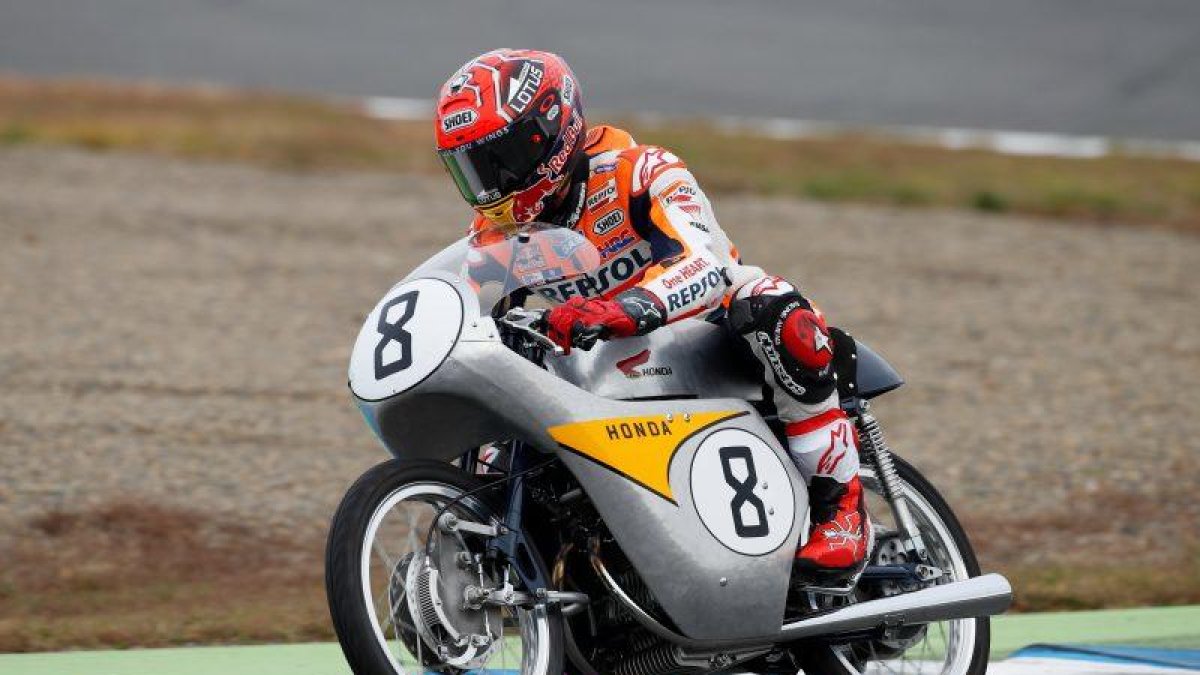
500, 213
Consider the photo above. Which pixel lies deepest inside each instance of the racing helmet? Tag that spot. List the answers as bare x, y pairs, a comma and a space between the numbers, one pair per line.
510, 131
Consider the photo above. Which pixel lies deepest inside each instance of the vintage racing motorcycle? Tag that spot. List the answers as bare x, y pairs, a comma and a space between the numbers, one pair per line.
625, 510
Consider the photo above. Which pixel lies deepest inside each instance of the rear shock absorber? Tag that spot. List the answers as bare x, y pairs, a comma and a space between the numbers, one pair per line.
874, 449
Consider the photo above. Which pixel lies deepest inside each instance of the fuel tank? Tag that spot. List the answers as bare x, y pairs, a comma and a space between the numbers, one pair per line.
686, 359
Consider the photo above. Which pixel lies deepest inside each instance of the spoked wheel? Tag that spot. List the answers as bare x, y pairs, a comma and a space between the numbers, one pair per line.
403, 592
957, 647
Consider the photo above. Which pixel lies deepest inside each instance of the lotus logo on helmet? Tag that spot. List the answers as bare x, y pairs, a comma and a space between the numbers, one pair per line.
522, 88
459, 119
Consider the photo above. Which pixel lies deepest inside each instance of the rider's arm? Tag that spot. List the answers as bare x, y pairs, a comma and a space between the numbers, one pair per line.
693, 258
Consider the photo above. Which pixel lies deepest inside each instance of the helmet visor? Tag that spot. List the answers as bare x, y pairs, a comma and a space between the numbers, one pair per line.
489, 171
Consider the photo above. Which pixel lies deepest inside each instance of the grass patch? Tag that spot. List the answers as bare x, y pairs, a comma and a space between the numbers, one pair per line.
1055, 587
134, 574
295, 132
1107, 549
275, 130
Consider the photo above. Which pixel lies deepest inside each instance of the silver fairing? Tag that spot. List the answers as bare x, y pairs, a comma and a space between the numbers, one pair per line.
688, 359
481, 391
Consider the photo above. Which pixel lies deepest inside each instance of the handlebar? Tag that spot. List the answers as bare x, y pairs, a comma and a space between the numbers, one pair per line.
529, 323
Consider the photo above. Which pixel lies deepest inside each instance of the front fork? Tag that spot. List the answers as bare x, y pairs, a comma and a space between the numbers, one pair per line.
873, 450
512, 544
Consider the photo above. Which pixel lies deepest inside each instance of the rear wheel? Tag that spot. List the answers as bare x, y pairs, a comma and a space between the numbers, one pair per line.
957, 647
396, 610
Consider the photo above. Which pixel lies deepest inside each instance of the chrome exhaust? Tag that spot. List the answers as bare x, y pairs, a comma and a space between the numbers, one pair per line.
971, 598
982, 596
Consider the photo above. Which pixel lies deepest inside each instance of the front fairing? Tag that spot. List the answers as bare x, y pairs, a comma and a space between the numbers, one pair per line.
654, 469
433, 378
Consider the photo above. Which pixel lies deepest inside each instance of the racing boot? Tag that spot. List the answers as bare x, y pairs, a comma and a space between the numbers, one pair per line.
840, 535
825, 449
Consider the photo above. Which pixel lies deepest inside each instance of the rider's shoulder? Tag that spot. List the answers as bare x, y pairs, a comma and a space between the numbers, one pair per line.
604, 139
613, 150
643, 164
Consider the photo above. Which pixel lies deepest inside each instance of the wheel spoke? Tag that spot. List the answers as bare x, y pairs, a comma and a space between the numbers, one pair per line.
944, 647
399, 525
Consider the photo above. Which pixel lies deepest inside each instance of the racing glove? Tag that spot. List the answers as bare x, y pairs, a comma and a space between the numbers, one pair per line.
581, 322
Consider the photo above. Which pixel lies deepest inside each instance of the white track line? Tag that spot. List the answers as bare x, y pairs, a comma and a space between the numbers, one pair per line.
1028, 143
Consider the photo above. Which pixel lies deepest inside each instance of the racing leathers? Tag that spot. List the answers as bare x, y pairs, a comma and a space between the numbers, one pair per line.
665, 258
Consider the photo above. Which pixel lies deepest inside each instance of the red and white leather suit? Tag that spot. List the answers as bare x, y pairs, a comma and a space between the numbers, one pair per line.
665, 258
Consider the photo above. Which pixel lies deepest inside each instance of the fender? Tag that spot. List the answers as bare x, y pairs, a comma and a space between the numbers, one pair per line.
861, 372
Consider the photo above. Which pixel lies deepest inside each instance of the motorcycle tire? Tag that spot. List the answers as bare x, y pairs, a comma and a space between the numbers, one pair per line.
825, 660
353, 619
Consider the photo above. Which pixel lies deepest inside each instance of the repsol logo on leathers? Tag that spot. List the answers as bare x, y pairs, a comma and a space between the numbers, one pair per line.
613, 274
631, 430
698, 288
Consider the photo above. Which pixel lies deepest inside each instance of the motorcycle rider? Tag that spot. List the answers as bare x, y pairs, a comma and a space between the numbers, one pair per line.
511, 132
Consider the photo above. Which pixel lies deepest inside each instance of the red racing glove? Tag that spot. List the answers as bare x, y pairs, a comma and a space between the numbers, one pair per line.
581, 322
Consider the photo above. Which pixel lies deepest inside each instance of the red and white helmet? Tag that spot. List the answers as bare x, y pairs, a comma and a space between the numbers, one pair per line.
510, 129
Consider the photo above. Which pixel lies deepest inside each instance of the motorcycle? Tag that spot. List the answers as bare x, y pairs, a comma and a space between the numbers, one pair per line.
630, 509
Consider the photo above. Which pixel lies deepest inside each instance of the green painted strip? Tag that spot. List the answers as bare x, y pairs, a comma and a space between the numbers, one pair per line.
301, 659
1150, 626
1158, 626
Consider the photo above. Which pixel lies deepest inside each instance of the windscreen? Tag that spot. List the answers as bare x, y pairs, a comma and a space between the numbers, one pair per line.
499, 262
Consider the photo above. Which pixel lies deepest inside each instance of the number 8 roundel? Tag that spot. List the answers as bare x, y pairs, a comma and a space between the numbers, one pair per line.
405, 338
742, 492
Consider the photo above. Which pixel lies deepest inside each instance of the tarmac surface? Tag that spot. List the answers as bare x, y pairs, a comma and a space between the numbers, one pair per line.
1105, 67
1174, 625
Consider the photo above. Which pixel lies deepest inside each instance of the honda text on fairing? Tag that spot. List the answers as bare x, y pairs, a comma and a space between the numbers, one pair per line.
619, 448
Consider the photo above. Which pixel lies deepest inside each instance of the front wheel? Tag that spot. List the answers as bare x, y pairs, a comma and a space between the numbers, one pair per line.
395, 582
957, 647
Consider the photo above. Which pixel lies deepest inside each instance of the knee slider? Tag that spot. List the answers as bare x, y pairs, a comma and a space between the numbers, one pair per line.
793, 340
806, 338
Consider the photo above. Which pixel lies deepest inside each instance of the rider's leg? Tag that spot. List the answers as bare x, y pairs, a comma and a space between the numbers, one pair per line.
790, 338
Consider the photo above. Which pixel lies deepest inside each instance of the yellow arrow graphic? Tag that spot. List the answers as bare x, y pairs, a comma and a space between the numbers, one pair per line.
638, 448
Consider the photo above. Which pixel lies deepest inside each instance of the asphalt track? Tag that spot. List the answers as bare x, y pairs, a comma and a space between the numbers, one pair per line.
1126, 68
1162, 627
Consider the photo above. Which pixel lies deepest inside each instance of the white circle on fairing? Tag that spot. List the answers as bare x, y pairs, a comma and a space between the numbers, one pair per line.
716, 495
422, 320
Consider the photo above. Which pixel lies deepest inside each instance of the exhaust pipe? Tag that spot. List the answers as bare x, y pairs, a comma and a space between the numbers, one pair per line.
981, 596
971, 598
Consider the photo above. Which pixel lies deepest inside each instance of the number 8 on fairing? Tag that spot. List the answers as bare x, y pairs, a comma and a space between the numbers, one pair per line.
743, 492
394, 332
